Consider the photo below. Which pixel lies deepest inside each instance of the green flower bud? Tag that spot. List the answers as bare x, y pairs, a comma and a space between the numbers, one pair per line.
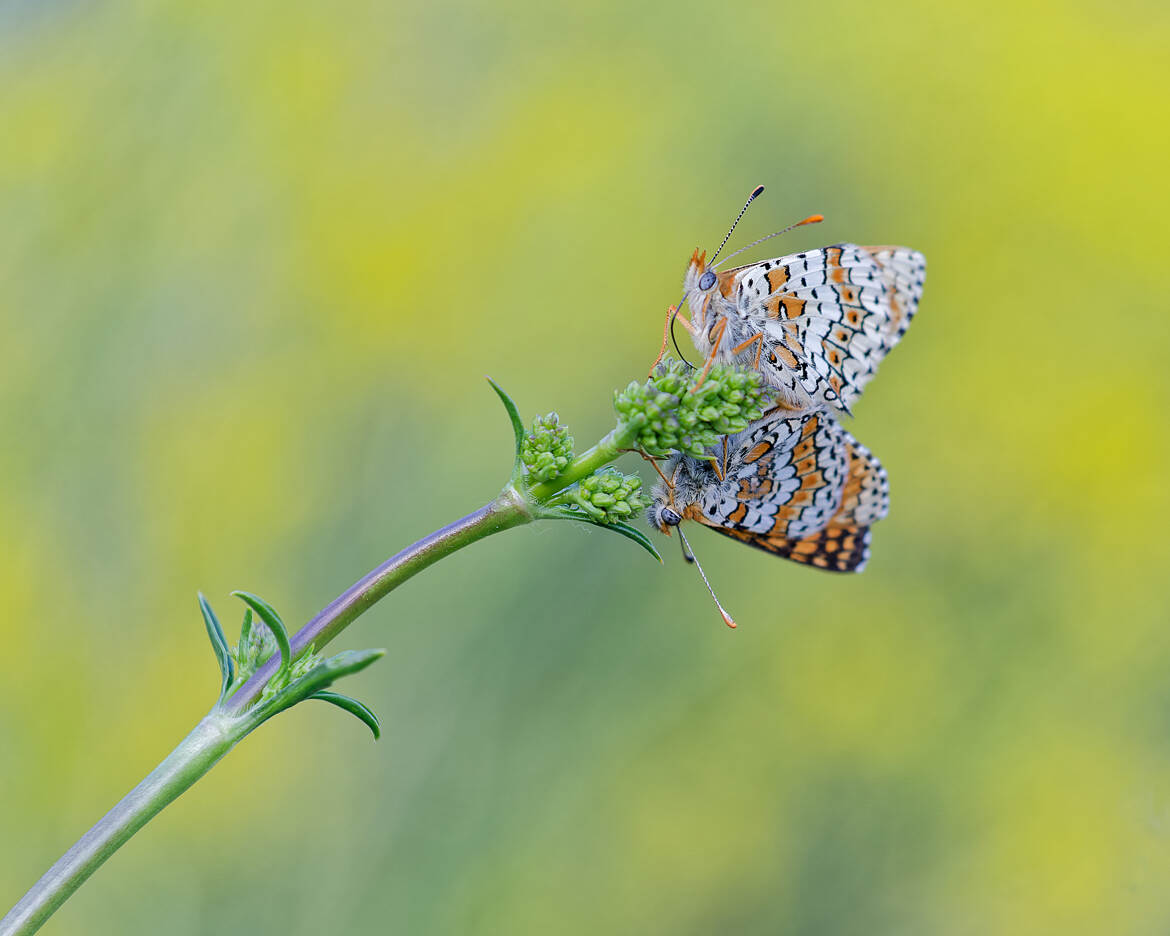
547, 449
607, 496
667, 414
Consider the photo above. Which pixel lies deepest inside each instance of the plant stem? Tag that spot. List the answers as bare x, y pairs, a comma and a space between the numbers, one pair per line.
600, 455
223, 728
226, 725
196, 754
506, 511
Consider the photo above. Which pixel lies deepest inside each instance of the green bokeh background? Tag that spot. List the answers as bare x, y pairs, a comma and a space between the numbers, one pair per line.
254, 262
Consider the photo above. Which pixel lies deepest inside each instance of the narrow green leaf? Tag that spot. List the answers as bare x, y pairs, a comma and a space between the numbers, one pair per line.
354, 707
245, 631
341, 664
632, 532
517, 425
268, 615
565, 512
227, 668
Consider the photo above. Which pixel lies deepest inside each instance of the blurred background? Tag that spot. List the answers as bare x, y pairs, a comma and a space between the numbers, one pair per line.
255, 260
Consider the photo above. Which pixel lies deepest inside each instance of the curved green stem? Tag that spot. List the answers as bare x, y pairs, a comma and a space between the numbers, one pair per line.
600, 455
225, 726
232, 718
196, 754
508, 510
236, 713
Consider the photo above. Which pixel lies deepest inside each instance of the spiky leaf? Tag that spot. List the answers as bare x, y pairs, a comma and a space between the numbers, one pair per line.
566, 512
219, 644
353, 706
268, 615
517, 425
245, 629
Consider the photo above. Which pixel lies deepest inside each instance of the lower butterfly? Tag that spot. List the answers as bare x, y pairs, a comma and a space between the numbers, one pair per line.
800, 487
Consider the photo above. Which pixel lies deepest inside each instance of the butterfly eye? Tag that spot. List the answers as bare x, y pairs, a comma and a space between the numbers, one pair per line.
707, 280
669, 517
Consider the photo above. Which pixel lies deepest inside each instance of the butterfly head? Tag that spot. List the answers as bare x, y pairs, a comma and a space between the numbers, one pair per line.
700, 283
663, 517
675, 496
662, 513
703, 281
700, 277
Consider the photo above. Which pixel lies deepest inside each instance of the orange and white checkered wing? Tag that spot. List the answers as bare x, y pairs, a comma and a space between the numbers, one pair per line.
783, 477
801, 488
843, 544
828, 316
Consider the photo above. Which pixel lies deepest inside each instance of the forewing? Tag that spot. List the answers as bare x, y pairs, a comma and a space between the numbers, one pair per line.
830, 315
904, 274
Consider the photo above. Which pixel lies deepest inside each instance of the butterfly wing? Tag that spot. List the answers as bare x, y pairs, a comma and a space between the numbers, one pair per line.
843, 545
903, 274
803, 489
865, 498
829, 316
782, 477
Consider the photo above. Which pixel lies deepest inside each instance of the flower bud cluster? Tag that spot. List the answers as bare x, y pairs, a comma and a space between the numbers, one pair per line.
668, 414
608, 496
547, 449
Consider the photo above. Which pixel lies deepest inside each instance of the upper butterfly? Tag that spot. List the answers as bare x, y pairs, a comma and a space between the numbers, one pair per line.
815, 324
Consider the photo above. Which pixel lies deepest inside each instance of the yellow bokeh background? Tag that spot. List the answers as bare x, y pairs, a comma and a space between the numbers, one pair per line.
255, 260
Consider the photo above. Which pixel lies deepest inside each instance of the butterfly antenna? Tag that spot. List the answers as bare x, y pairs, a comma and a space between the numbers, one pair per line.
688, 556
727, 618
756, 193
811, 219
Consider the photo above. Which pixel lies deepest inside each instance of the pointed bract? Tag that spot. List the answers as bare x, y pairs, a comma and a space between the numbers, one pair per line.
268, 615
219, 645
354, 707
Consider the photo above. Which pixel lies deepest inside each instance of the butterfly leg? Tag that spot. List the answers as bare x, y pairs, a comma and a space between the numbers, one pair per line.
653, 463
686, 323
720, 472
720, 329
758, 338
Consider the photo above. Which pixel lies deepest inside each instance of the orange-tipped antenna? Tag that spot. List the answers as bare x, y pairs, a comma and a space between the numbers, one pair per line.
727, 618
756, 193
811, 219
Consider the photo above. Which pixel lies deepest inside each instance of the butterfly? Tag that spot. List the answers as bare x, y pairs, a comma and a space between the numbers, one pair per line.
797, 486
815, 324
